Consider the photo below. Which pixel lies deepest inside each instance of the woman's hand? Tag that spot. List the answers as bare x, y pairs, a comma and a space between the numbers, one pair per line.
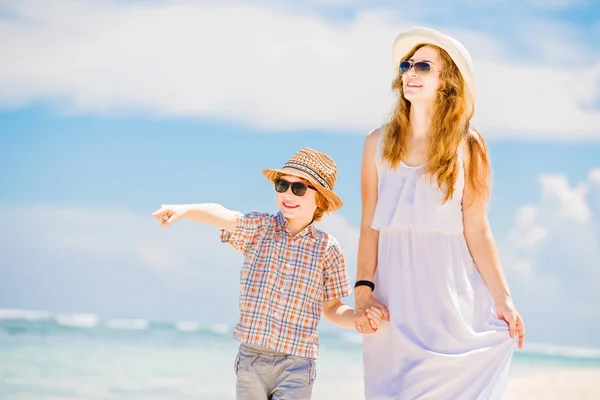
363, 322
506, 311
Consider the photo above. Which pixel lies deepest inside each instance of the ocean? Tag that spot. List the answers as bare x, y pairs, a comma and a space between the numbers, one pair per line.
84, 356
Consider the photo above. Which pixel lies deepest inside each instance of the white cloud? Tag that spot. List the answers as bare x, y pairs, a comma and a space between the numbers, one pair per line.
265, 66
557, 3
568, 203
530, 234
551, 4
595, 176
564, 220
552, 256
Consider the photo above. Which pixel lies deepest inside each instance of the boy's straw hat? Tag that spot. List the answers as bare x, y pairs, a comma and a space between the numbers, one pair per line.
317, 168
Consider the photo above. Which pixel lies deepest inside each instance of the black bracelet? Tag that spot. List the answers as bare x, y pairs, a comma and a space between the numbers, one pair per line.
365, 283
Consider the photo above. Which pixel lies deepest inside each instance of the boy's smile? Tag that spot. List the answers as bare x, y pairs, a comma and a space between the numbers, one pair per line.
298, 210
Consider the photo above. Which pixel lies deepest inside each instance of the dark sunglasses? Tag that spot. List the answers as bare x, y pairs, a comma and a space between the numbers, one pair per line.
422, 68
298, 188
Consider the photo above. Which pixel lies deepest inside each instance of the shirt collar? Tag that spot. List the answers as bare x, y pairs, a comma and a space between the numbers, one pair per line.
282, 224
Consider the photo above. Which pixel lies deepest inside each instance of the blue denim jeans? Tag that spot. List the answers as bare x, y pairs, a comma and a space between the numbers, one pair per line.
264, 374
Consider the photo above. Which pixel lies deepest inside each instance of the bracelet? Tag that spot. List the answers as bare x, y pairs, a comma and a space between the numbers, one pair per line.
365, 283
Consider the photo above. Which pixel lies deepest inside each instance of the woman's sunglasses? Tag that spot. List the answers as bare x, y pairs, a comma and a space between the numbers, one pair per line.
422, 68
298, 188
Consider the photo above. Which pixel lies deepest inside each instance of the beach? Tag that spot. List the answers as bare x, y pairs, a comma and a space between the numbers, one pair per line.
554, 383
45, 357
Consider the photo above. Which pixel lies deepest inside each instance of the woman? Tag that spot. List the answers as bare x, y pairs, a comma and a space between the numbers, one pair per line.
426, 251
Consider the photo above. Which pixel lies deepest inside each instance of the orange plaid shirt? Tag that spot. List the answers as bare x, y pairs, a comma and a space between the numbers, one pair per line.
284, 281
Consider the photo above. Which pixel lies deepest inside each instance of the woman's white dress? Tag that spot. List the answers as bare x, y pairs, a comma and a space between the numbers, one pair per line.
444, 340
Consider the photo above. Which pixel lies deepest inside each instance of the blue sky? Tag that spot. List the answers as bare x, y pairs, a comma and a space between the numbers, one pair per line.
108, 110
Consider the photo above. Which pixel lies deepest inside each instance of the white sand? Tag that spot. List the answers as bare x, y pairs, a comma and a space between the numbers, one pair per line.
553, 383
525, 383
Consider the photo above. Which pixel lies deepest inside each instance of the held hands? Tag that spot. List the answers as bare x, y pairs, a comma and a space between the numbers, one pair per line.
168, 214
505, 310
369, 313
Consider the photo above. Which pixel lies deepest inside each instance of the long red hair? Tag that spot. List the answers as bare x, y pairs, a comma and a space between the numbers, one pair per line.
450, 128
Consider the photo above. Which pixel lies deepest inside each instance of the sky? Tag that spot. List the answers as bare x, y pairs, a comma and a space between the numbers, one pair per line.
110, 109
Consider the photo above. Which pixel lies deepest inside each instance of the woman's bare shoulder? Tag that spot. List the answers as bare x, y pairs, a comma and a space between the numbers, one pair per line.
374, 135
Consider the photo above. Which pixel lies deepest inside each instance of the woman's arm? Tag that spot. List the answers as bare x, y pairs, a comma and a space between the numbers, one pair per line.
369, 237
480, 240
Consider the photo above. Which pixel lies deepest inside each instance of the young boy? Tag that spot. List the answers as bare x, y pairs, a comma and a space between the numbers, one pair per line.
292, 272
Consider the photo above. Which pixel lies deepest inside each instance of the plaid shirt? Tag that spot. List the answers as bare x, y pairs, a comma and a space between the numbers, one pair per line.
284, 282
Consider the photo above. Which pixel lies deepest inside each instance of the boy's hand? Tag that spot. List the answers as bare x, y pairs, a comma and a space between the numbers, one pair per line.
376, 317
168, 214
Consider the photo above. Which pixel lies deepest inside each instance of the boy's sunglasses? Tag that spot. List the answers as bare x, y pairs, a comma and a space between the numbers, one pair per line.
298, 188
422, 68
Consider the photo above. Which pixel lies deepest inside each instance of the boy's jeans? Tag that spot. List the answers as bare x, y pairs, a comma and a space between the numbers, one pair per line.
264, 374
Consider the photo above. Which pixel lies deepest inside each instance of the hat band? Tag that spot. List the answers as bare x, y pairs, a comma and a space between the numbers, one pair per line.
308, 171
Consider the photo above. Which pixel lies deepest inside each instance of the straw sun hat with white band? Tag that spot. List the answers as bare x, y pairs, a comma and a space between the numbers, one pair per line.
410, 38
317, 168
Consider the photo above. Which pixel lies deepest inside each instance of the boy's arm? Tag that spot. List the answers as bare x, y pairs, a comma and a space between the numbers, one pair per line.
207, 213
212, 214
342, 315
336, 286
338, 313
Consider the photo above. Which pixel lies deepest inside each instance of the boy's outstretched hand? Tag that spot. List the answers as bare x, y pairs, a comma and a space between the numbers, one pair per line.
375, 317
167, 214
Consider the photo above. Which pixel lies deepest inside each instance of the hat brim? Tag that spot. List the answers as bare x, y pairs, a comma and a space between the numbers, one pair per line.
332, 199
407, 40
